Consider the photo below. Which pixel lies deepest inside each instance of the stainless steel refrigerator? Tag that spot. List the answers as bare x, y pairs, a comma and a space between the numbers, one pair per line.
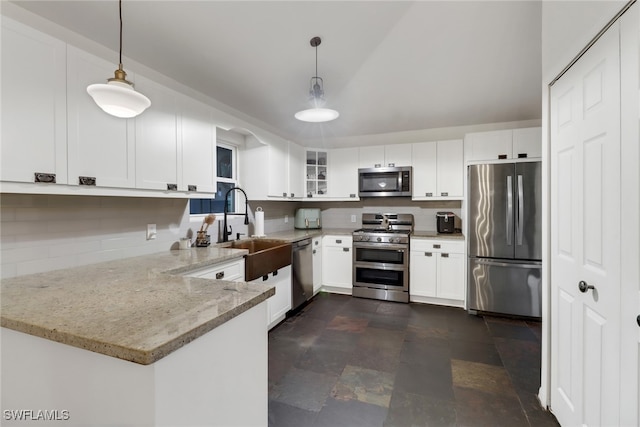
505, 238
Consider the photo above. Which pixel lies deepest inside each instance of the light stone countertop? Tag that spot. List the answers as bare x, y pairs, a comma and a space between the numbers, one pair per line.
436, 235
138, 309
296, 235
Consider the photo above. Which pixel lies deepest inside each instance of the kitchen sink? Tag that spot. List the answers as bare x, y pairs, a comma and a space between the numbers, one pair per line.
264, 257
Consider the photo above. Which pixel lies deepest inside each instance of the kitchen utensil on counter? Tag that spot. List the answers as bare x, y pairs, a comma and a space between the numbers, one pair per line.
259, 225
208, 220
203, 239
185, 243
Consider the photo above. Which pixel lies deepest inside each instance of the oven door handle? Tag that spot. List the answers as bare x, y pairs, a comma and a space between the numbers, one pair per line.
386, 246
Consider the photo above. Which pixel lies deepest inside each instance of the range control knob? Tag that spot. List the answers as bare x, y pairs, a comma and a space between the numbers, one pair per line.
366, 238
379, 239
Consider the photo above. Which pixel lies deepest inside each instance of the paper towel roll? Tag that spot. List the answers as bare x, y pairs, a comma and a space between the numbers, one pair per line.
259, 229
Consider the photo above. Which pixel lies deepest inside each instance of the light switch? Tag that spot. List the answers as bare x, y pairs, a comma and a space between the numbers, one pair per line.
151, 231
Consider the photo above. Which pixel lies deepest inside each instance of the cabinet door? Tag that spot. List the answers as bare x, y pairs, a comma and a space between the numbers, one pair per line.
424, 169
527, 142
198, 147
277, 167
99, 145
317, 264
371, 157
34, 113
450, 267
488, 145
343, 173
297, 159
156, 138
397, 155
280, 303
232, 271
423, 274
337, 266
450, 168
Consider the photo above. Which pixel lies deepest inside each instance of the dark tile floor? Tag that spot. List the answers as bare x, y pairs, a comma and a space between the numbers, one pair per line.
345, 361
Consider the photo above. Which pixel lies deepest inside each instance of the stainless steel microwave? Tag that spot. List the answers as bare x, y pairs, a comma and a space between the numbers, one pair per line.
385, 182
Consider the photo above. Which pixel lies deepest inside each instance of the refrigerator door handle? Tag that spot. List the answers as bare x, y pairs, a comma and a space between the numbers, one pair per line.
520, 216
507, 264
509, 220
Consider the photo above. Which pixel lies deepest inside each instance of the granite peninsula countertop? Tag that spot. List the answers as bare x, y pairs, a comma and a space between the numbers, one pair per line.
138, 309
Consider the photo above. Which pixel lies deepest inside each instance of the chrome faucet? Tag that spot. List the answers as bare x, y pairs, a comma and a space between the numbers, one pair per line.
225, 233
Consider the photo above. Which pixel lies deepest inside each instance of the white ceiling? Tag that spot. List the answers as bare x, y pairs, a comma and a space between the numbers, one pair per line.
388, 66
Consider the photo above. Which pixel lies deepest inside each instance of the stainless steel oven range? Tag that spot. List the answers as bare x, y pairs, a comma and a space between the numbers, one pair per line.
381, 257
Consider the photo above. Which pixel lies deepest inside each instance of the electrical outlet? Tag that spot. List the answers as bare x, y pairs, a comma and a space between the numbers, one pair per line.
286, 219
353, 218
151, 232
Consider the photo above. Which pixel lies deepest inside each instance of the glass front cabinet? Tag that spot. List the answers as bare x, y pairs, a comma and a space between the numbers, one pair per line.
316, 173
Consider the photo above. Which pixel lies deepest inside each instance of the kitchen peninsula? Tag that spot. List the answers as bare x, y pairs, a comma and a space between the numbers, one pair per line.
136, 342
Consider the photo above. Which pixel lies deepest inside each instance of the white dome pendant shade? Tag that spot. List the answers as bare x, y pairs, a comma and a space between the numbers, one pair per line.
318, 113
118, 97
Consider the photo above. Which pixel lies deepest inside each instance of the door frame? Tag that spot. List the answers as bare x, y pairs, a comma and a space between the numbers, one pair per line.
630, 202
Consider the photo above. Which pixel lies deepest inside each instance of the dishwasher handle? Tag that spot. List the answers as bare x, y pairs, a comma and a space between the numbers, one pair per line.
301, 244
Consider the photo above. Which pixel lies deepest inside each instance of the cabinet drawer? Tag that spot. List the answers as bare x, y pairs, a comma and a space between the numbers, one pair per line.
337, 241
437, 246
232, 270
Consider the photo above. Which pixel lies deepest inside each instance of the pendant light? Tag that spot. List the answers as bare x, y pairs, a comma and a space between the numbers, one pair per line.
318, 113
118, 97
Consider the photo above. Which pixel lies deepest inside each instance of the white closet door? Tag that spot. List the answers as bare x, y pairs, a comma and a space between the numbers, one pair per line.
585, 238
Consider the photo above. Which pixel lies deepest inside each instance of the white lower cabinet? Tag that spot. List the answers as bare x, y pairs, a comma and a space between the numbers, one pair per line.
337, 263
230, 270
317, 263
437, 272
280, 303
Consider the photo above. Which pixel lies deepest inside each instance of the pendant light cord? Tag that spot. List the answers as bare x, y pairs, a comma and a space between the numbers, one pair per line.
316, 61
120, 7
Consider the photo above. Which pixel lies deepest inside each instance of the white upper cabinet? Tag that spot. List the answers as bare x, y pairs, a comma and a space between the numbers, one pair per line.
101, 147
297, 159
450, 168
438, 170
343, 173
197, 147
489, 145
157, 138
385, 156
34, 116
527, 142
425, 176
503, 144
272, 171
397, 155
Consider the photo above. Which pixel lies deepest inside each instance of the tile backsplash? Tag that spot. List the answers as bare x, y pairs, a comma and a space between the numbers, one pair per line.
40, 233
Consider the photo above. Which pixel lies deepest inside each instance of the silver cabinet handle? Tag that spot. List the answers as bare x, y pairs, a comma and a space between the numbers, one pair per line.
345, 249
338, 241
436, 246
220, 275
428, 254
509, 220
444, 255
44, 177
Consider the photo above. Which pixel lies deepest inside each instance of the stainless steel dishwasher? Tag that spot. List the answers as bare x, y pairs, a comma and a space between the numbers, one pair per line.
302, 271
